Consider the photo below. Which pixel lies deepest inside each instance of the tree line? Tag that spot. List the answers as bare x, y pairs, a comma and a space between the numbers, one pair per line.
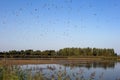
65, 52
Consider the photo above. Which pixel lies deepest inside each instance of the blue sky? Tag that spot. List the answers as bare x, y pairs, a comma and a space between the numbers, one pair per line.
55, 24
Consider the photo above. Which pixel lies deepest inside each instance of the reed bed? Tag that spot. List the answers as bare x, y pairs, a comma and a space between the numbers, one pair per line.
19, 72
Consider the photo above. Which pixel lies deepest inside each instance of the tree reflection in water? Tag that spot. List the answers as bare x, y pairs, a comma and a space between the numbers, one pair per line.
75, 71
88, 65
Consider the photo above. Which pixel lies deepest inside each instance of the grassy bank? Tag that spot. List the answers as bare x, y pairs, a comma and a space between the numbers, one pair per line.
16, 61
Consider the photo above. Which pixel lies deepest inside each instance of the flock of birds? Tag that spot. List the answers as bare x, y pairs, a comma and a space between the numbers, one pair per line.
36, 13
51, 8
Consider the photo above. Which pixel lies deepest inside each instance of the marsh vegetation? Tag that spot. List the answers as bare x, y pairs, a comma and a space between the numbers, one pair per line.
65, 71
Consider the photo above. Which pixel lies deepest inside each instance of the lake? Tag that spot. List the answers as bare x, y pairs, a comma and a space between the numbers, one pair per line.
76, 71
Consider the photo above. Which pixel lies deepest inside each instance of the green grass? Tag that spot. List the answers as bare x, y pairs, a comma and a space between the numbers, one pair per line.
10, 73
15, 73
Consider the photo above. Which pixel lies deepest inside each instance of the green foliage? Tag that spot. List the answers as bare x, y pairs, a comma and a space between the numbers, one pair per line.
86, 52
7, 73
65, 52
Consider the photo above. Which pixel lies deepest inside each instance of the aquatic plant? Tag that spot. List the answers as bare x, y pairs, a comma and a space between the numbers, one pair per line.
37, 73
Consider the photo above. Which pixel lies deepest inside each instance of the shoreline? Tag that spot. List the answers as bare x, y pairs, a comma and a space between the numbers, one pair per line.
14, 61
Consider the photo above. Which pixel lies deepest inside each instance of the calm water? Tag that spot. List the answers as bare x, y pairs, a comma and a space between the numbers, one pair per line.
77, 71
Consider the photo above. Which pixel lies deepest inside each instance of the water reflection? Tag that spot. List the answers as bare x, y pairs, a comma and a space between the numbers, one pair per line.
89, 65
92, 71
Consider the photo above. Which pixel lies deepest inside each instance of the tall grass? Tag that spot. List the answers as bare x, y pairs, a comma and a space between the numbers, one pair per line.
11, 73
17, 73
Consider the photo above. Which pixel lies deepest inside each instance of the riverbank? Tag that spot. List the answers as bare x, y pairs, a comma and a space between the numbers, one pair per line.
21, 61
10, 67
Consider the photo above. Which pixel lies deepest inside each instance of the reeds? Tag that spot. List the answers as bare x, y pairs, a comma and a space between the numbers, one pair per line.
37, 73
